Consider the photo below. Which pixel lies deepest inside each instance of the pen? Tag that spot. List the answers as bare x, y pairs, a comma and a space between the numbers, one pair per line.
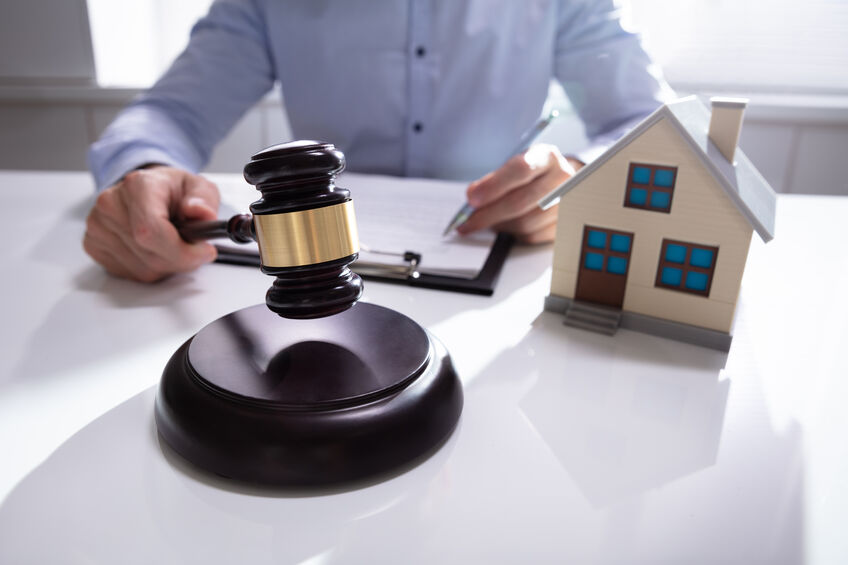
523, 144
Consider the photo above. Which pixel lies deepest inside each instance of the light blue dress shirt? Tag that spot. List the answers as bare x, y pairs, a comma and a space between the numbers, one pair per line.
422, 88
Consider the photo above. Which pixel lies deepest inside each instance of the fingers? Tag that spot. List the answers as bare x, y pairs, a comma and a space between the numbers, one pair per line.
117, 258
148, 199
508, 197
200, 200
153, 197
195, 209
516, 172
129, 229
108, 219
199, 203
518, 202
537, 226
108, 244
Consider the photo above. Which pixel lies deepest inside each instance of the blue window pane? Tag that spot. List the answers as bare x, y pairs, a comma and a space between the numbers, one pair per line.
701, 258
664, 178
594, 261
696, 281
671, 276
675, 253
638, 196
620, 243
641, 175
616, 265
597, 239
660, 200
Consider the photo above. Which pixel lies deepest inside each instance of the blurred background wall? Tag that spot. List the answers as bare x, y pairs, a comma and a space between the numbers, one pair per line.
68, 66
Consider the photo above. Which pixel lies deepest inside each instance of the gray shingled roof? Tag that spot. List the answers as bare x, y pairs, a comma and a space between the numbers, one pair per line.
741, 181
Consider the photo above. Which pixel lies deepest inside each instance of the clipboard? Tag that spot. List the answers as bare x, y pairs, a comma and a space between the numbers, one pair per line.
407, 272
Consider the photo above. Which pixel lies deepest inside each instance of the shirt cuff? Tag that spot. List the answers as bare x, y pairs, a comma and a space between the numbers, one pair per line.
589, 153
105, 175
599, 145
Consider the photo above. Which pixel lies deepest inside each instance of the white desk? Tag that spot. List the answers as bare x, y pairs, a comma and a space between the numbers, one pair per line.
572, 447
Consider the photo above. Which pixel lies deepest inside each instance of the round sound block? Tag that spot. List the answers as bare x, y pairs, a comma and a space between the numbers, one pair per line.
264, 399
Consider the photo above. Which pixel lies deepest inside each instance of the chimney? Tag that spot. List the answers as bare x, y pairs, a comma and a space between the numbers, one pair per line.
726, 123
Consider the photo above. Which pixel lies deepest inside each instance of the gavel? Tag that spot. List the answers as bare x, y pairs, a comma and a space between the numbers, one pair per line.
304, 225
315, 391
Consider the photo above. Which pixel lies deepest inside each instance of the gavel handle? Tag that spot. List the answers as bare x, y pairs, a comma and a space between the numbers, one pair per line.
239, 228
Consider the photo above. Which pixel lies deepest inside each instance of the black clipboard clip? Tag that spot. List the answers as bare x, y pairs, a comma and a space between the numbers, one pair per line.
407, 269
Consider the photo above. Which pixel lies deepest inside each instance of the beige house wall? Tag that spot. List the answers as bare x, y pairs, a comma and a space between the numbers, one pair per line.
700, 213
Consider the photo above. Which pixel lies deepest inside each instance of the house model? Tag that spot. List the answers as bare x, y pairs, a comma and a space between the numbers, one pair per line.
654, 234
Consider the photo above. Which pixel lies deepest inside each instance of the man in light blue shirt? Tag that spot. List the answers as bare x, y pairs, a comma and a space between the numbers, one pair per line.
423, 88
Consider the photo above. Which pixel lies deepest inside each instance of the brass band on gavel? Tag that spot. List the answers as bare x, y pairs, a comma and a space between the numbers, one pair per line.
307, 237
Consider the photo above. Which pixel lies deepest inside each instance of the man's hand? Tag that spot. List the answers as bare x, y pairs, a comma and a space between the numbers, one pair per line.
129, 229
507, 199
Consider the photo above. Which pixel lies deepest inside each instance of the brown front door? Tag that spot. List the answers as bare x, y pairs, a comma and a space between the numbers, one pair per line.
604, 262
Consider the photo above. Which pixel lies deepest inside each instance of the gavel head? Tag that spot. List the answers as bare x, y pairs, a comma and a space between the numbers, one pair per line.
306, 229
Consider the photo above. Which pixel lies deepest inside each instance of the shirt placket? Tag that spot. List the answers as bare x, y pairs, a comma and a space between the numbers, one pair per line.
419, 61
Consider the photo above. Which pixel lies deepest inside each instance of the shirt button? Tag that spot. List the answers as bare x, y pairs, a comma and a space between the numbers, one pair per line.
420, 51
417, 127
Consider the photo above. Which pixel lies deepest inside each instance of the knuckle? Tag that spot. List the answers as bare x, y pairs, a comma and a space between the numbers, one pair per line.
104, 197
105, 201
133, 177
142, 233
520, 166
135, 181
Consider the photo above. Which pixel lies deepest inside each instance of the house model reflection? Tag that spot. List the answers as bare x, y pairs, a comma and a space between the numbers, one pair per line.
654, 234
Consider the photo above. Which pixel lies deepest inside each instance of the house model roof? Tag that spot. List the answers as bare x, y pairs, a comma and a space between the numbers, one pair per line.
741, 181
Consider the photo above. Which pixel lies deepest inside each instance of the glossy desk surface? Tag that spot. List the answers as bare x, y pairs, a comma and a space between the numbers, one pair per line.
572, 447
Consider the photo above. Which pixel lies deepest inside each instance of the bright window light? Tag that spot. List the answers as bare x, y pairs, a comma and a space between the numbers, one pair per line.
136, 40
748, 45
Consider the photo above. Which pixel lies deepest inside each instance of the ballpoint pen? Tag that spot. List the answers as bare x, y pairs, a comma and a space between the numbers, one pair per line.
523, 144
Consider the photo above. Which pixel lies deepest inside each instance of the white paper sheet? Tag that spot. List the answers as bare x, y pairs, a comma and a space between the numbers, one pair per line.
395, 215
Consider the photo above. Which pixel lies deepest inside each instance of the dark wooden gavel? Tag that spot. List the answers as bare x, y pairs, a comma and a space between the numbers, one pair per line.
239, 228
304, 225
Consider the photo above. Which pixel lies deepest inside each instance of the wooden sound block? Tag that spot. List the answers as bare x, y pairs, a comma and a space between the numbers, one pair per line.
264, 399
